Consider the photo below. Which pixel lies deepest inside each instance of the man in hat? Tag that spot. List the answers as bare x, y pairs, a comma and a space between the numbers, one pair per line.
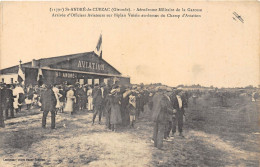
77, 93
124, 102
160, 113
97, 103
139, 102
108, 110
179, 104
48, 101
9, 101
168, 126
84, 97
104, 93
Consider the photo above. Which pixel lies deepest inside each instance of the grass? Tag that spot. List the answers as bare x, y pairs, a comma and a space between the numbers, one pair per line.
214, 136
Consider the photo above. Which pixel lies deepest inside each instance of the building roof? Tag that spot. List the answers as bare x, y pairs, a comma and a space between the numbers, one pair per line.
47, 62
54, 60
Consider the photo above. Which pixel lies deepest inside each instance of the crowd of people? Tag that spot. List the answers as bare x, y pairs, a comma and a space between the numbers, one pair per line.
111, 101
121, 105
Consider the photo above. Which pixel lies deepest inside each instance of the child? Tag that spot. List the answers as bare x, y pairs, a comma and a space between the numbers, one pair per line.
132, 109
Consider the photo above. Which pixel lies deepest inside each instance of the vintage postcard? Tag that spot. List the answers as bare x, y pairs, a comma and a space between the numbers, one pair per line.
129, 83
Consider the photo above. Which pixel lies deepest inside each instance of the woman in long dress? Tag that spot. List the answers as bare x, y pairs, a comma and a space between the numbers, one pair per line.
90, 99
70, 100
115, 118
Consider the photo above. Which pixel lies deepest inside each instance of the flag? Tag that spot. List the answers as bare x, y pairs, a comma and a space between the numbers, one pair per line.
21, 75
39, 76
100, 54
98, 49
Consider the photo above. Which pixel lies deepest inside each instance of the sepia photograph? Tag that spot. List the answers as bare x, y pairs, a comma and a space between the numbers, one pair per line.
129, 83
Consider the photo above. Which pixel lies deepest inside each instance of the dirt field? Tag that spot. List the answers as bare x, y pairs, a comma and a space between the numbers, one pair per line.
214, 136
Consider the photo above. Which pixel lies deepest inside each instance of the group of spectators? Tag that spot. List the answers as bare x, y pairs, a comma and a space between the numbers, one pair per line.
110, 101
168, 112
11, 99
121, 105
117, 103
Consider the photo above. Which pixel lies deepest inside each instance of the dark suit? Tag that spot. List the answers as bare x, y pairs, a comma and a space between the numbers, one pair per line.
48, 101
104, 99
97, 103
76, 105
108, 103
9, 102
125, 111
160, 114
83, 99
2, 102
178, 117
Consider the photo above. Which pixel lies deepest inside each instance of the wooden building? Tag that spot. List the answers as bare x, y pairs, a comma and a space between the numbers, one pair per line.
85, 68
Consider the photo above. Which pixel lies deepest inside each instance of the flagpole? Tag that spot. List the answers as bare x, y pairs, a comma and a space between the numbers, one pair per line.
98, 49
21, 74
101, 50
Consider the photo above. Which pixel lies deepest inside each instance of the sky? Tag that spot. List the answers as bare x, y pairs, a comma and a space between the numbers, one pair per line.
212, 50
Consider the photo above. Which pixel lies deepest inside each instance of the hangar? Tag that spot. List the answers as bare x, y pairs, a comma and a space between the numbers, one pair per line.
85, 68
